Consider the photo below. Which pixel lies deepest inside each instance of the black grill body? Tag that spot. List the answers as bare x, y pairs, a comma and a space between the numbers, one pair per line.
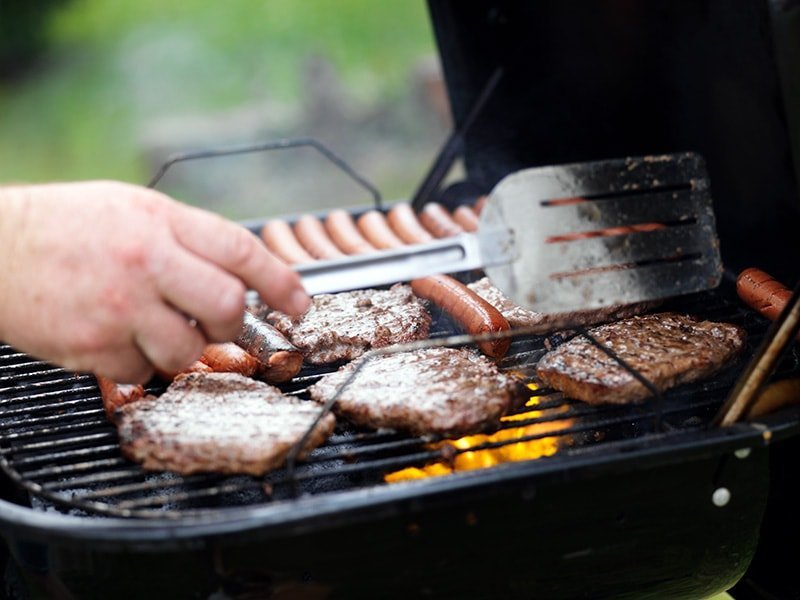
629, 510
611, 529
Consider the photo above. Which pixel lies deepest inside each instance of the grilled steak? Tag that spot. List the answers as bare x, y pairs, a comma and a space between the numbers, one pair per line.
433, 390
667, 348
343, 326
217, 422
518, 316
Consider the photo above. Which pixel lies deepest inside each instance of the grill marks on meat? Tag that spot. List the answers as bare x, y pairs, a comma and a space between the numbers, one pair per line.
517, 316
668, 349
343, 326
433, 390
217, 422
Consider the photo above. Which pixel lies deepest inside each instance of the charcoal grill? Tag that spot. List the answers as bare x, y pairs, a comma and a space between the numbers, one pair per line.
638, 502
79, 503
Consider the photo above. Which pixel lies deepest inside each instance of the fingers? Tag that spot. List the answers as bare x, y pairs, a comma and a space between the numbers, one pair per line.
168, 340
239, 252
205, 292
123, 365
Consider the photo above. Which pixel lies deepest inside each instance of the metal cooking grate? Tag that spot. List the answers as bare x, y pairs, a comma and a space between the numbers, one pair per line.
56, 444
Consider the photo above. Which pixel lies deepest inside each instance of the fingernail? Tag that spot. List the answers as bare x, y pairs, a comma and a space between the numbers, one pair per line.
300, 301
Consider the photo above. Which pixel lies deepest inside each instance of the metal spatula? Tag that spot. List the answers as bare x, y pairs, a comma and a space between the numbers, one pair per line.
563, 238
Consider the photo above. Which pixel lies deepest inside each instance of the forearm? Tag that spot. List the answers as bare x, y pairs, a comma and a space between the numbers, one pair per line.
13, 224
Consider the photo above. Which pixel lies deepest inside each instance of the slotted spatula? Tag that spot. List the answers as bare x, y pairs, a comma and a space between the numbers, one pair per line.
563, 238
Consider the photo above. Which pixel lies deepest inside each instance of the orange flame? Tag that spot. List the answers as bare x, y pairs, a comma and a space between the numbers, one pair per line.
488, 457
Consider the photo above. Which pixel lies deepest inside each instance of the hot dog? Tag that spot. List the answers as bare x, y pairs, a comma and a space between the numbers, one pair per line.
344, 233
229, 358
437, 220
466, 217
473, 314
761, 291
404, 222
311, 234
774, 396
280, 239
373, 226
115, 395
196, 367
278, 359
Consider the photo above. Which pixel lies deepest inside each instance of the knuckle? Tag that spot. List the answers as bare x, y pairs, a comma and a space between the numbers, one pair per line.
240, 247
133, 254
230, 300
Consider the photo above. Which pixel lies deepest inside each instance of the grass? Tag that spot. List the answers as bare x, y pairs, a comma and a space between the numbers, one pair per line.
113, 67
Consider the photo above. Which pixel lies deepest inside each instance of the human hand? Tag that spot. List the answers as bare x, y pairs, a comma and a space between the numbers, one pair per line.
118, 279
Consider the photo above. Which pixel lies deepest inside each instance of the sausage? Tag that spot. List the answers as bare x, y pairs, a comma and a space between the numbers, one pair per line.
310, 232
373, 226
404, 222
196, 367
279, 238
473, 314
761, 291
344, 233
466, 218
437, 220
115, 395
229, 358
776, 395
278, 360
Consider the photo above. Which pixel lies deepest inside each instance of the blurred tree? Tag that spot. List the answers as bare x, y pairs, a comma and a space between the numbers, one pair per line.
23, 33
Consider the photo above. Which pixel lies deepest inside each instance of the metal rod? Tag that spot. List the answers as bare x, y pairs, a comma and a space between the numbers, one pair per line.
633, 371
281, 144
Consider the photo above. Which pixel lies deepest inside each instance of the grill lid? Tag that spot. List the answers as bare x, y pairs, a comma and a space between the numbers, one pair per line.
574, 83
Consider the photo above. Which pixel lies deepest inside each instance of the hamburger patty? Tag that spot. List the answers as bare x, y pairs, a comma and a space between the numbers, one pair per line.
433, 390
517, 316
343, 326
217, 422
667, 348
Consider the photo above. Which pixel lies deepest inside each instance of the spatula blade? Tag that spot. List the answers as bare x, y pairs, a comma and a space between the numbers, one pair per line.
605, 233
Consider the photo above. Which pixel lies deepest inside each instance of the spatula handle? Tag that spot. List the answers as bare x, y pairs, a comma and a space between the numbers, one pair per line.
450, 255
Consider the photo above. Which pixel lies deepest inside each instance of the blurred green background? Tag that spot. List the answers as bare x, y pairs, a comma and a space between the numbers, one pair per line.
110, 89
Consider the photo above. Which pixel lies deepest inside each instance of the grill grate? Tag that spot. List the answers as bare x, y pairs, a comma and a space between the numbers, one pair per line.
56, 444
